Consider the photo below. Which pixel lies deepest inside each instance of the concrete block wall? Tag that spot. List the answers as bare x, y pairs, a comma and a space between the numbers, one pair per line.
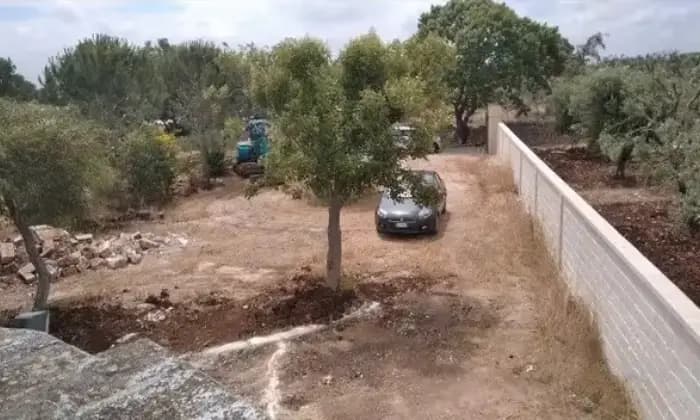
650, 329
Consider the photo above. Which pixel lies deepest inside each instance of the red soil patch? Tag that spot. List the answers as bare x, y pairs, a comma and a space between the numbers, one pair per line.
656, 232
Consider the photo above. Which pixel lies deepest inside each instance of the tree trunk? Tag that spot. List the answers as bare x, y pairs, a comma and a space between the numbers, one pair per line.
622, 159
461, 125
335, 246
44, 284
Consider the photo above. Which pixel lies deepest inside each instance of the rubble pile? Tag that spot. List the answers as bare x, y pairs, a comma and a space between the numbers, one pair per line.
66, 255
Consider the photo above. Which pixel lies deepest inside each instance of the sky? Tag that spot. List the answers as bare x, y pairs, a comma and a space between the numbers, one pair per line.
33, 30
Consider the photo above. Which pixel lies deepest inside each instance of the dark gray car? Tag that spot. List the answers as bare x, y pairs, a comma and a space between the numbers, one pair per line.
406, 216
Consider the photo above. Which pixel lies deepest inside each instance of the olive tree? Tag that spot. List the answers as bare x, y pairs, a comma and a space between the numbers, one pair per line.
498, 55
334, 127
13, 84
50, 165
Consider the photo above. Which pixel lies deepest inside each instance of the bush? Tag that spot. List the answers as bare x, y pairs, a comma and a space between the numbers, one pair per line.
597, 101
678, 161
149, 166
216, 161
212, 150
560, 103
52, 162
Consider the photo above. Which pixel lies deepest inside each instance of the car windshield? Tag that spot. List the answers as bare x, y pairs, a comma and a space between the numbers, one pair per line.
403, 195
427, 178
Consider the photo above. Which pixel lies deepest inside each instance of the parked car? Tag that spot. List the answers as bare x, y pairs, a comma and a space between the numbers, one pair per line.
404, 215
402, 134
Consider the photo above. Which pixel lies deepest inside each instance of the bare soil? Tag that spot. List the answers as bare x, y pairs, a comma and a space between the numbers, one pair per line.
654, 228
210, 320
584, 171
646, 215
474, 323
539, 133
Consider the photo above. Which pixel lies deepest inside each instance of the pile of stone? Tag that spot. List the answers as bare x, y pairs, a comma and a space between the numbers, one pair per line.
66, 255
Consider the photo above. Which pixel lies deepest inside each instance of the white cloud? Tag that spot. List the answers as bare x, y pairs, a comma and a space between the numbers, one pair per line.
635, 26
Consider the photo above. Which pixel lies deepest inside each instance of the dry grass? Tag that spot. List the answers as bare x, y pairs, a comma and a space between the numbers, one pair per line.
572, 343
569, 354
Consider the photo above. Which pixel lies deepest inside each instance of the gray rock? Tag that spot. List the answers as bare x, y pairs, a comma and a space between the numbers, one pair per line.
134, 257
69, 260
7, 252
83, 263
89, 252
146, 244
71, 270
144, 307
27, 278
46, 232
96, 263
84, 237
138, 379
104, 249
26, 273
116, 262
54, 271
48, 247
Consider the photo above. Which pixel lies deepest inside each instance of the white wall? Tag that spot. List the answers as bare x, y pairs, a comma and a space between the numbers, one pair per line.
650, 329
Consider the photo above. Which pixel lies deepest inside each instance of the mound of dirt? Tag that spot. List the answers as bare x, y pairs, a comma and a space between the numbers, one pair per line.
95, 325
585, 171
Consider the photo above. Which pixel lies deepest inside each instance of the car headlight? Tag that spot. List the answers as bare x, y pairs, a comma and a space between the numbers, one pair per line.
381, 213
424, 213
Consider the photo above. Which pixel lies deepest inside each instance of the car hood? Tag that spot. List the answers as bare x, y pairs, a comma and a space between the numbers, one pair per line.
404, 207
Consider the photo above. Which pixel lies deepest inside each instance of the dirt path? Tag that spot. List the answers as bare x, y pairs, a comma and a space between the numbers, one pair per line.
487, 340
485, 333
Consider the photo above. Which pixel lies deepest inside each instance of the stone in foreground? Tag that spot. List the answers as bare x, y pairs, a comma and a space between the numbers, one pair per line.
7, 252
116, 262
37, 320
43, 377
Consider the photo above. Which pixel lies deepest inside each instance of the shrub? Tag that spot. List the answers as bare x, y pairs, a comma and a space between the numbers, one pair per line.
596, 102
216, 161
149, 165
678, 157
560, 103
212, 150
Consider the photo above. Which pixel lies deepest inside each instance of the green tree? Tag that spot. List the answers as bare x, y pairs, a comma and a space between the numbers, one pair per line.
107, 78
334, 127
679, 158
498, 55
596, 103
207, 85
14, 85
149, 165
51, 167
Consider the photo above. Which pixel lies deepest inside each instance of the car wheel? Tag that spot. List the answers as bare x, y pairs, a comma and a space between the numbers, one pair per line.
436, 226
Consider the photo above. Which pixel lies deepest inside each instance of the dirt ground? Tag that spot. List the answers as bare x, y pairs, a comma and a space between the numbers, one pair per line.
646, 215
473, 322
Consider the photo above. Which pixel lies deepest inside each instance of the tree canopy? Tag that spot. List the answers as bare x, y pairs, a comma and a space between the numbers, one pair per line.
51, 167
334, 120
498, 54
12, 84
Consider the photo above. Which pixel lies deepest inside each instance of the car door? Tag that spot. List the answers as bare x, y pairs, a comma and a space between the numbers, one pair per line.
443, 191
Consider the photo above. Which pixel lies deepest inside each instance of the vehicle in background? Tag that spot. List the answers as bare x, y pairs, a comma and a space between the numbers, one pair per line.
250, 152
402, 135
405, 215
